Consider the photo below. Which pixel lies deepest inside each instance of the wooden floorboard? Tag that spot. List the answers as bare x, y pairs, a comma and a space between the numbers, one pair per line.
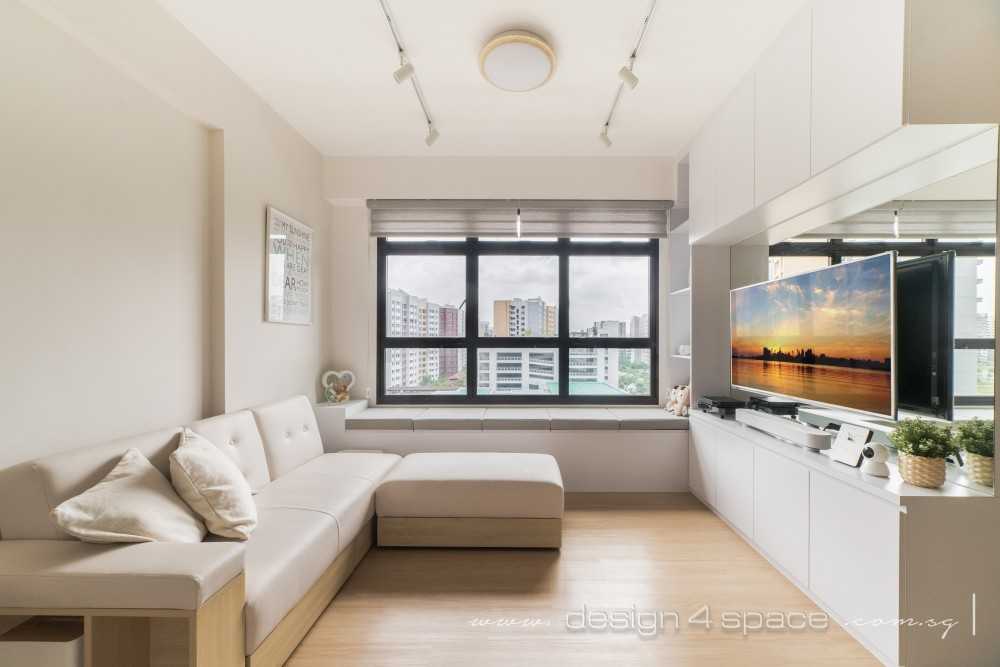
415, 607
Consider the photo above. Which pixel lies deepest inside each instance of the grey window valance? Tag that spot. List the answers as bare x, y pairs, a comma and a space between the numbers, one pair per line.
540, 218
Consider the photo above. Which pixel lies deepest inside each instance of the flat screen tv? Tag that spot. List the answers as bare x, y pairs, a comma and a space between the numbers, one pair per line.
925, 340
824, 337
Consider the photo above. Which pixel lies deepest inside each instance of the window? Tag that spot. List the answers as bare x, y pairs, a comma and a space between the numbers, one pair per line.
495, 321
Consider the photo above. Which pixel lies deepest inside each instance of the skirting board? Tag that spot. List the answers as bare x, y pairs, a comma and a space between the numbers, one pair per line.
394, 531
286, 636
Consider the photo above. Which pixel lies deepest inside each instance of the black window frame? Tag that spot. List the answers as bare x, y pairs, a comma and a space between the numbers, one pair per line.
472, 249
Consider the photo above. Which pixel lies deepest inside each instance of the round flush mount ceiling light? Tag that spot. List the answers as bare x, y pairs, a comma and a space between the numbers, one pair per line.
517, 61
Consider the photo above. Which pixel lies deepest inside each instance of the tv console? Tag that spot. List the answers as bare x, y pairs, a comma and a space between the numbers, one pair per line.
786, 429
875, 553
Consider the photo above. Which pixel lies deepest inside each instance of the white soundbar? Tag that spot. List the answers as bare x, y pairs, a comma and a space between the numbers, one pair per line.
784, 428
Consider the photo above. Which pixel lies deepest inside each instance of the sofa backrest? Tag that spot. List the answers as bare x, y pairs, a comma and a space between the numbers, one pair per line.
290, 434
31, 490
237, 437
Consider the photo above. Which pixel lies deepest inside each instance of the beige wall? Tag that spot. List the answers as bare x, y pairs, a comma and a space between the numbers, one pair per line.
134, 174
348, 182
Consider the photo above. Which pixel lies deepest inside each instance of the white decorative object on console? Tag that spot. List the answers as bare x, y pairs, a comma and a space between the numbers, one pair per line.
786, 429
849, 443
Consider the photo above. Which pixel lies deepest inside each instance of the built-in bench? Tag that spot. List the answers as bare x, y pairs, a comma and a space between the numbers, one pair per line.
361, 417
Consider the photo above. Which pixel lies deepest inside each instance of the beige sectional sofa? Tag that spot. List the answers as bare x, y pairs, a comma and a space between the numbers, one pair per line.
224, 602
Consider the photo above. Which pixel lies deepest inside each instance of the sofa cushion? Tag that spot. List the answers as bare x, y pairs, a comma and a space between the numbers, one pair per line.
211, 484
290, 434
237, 437
134, 503
151, 575
31, 490
285, 556
472, 484
341, 485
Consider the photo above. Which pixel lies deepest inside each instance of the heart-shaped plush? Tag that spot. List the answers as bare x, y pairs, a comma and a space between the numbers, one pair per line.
337, 385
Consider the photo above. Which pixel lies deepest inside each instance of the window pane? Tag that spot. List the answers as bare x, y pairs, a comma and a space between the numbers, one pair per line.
425, 295
609, 297
973, 372
519, 295
518, 371
424, 371
783, 267
974, 302
609, 372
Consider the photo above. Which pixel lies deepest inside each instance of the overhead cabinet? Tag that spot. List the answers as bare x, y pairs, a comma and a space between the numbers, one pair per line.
834, 86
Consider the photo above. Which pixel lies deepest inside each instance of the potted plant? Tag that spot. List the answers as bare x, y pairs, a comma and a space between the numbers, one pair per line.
976, 438
923, 446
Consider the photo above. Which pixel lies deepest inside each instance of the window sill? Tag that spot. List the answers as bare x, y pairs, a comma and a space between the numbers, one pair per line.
514, 419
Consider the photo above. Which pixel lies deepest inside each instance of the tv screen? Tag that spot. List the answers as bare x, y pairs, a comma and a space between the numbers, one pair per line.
822, 337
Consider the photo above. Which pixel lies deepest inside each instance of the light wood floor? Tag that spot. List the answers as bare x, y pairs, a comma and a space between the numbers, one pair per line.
411, 607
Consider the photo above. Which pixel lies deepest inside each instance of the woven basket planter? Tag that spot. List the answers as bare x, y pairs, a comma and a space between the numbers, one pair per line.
921, 470
980, 468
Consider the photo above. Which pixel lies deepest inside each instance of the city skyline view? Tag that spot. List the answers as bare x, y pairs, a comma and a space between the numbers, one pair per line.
600, 288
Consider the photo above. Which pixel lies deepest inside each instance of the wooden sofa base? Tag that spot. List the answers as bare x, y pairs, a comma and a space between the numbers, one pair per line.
469, 532
208, 636
287, 635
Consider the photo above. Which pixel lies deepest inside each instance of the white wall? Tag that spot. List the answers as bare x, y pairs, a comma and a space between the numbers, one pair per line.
134, 174
348, 182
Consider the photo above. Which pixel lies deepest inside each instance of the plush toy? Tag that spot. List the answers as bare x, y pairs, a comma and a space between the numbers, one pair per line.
683, 400
337, 385
679, 400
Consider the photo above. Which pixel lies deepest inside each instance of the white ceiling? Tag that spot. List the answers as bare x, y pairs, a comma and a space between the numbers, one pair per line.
327, 68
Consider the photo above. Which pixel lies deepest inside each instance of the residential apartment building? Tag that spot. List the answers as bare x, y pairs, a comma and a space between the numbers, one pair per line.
525, 317
408, 315
518, 371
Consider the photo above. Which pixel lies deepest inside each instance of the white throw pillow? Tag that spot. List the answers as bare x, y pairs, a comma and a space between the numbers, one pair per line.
134, 503
213, 486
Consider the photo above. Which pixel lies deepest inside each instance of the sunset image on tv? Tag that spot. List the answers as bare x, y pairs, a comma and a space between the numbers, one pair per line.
824, 336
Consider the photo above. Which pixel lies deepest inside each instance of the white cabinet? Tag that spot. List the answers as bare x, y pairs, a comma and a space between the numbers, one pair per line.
857, 75
782, 111
734, 472
734, 132
700, 457
781, 512
702, 184
854, 559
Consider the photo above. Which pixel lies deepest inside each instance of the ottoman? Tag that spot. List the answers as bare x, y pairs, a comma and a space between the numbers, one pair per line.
471, 499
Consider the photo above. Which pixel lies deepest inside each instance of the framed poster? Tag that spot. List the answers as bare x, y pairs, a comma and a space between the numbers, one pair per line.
288, 297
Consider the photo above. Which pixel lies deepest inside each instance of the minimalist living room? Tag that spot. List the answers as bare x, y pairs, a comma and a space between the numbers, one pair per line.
448, 333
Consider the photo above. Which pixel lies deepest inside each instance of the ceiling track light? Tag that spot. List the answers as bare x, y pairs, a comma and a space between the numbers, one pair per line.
604, 136
627, 76
406, 72
517, 224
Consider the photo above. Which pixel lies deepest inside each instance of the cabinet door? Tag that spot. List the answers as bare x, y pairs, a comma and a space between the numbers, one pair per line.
854, 559
857, 76
702, 184
734, 481
781, 512
784, 80
700, 455
734, 132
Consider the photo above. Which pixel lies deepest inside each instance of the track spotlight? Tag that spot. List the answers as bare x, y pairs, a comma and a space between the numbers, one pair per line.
432, 134
404, 72
628, 77
605, 138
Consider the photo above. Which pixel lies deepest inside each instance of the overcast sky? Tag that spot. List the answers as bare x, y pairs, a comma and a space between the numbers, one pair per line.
601, 288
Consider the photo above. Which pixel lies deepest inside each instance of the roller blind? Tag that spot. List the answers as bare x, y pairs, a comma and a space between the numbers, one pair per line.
539, 217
